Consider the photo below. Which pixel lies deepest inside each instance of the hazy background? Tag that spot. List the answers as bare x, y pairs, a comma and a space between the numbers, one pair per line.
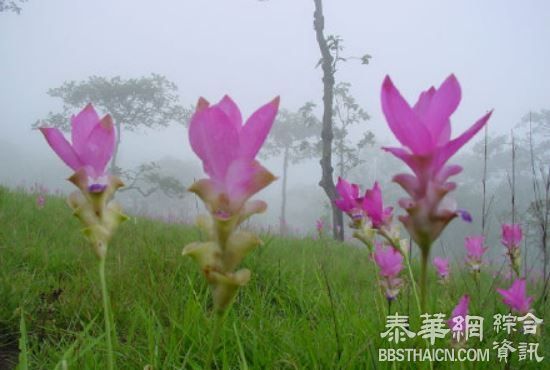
256, 50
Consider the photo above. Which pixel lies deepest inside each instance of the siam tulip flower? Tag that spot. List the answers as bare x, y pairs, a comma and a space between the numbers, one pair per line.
512, 235
424, 131
349, 201
320, 226
374, 208
475, 248
367, 212
91, 148
390, 262
515, 297
457, 322
228, 150
93, 142
88, 155
40, 201
442, 266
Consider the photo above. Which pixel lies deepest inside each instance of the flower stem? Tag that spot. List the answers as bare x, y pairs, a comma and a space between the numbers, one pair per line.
107, 316
408, 263
424, 276
413, 284
217, 325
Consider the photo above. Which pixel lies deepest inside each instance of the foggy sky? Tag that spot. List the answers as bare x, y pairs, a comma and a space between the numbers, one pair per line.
256, 50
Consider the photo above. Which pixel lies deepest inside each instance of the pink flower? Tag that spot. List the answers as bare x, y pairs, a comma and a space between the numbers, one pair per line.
475, 247
319, 224
511, 235
40, 201
390, 262
388, 259
424, 132
515, 297
442, 266
349, 201
93, 142
374, 207
460, 310
227, 149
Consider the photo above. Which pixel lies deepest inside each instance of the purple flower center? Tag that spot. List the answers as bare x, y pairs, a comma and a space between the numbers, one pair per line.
97, 188
464, 215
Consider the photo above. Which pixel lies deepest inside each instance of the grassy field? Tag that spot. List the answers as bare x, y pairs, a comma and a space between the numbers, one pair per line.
311, 304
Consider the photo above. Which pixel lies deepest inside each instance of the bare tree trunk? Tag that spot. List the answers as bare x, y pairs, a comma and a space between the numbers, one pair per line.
282, 218
541, 205
341, 153
327, 181
114, 168
513, 179
484, 184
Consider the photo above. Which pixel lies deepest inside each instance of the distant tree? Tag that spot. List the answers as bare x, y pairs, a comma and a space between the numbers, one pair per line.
539, 209
291, 137
537, 125
148, 178
347, 113
330, 48
11, 6
150, 101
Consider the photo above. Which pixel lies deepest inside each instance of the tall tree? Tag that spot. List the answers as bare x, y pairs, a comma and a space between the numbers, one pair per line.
539, 209
11, 6
330, 47
328, 64
149, 101
291, 137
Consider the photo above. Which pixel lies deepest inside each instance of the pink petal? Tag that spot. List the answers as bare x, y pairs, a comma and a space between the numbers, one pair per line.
228, 106
348, 193
403, 122
245, 178
454, 145
448, 171
99, 146
61, 147
255, 131
409, 183
407, 157
201, 104
215, 140
424, 101
209, 191
81, 126
443, 103
343, 188
506, 295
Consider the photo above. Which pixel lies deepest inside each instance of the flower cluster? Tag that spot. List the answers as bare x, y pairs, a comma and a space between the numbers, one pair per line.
457, 321
424, 132
367, 213
512, 235
516, 297
475, 250
442, 267
390, 262
93, 141
227, 149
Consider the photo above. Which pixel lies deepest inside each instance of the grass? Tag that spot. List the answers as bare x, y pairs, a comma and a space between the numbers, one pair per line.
310, 305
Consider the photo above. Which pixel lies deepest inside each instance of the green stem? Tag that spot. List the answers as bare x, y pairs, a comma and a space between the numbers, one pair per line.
424, 277
106, 313
217, 325
413, 284
406, 258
